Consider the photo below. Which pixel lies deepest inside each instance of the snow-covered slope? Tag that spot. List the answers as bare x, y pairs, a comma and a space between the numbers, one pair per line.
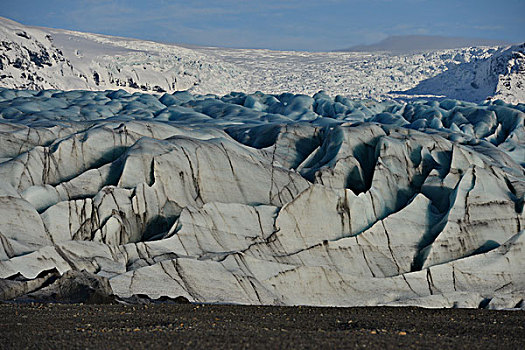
264, 199
499, 76
52, 58
40, 58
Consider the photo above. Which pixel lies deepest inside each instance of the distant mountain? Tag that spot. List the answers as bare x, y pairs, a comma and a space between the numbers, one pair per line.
410, 43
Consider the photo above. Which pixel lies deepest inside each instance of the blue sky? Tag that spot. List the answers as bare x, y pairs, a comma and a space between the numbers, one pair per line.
287, 24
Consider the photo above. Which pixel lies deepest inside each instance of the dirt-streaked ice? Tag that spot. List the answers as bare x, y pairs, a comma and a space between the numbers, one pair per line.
264, 199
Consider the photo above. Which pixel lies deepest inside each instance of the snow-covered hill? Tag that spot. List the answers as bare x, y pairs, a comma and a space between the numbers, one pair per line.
500, 76
39, 58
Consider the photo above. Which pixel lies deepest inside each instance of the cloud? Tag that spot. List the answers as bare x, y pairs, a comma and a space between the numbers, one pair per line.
488, 27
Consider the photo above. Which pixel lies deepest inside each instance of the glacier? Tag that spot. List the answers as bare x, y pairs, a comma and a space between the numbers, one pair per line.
46, 58
256, 198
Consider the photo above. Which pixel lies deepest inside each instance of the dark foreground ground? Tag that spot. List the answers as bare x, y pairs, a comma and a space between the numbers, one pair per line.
225, 326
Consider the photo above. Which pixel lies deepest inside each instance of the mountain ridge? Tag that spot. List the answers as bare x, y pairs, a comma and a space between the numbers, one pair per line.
411, 43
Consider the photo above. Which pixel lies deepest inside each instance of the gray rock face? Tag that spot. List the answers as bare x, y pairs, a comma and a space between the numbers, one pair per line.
261, 199
72, 287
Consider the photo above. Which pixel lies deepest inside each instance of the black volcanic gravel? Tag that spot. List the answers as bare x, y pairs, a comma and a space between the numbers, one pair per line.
194, 326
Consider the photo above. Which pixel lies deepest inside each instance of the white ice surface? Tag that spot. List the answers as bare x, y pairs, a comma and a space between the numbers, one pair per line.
97, 62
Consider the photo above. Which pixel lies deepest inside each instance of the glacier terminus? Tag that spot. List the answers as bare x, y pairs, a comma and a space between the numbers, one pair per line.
333, 179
